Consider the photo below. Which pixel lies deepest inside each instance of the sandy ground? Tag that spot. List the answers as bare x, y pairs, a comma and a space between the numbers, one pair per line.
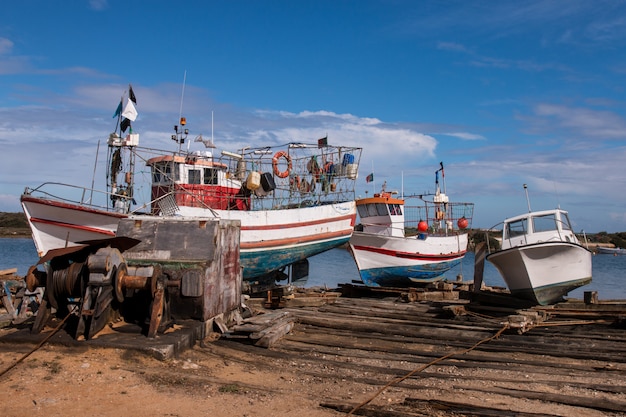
309, 367
212, 379
60, 381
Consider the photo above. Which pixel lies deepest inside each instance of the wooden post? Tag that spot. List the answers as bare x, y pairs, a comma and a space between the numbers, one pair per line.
479, 265
591, 297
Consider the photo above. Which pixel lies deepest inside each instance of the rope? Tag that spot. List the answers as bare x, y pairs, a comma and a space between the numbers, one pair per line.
36, 347
398, 380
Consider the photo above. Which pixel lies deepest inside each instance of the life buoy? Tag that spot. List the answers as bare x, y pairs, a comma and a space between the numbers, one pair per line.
277, 156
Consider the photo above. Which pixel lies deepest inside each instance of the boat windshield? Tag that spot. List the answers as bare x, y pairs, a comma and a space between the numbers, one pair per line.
516, 228
545, 223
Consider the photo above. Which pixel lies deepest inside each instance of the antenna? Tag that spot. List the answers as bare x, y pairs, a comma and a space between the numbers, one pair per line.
527, 199
182, 95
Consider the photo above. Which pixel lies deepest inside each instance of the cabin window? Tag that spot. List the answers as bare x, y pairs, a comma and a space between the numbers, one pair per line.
194, 176
381, 209
210, 176
161, 173
371, 209
545, 223
517, 228
565, 222
362, 211
395, 209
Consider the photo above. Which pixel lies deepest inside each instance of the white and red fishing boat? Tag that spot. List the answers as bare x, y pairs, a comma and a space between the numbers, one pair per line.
293, 201
387, 255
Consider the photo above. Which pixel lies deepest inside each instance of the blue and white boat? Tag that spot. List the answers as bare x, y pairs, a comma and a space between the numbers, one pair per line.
293, 201
388, 256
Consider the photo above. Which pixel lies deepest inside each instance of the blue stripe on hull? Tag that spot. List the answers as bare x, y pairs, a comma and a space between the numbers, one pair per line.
262, 262
406, 276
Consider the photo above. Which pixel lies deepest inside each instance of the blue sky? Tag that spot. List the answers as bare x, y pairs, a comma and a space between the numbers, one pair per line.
505, 93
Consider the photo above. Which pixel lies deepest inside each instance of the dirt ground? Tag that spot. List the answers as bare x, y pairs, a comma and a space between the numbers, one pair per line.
59, 381
305, 372
212, 379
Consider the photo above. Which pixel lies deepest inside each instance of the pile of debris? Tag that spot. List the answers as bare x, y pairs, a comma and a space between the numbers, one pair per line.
17, 303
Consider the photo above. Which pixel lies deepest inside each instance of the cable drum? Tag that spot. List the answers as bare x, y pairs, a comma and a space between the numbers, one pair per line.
64, 283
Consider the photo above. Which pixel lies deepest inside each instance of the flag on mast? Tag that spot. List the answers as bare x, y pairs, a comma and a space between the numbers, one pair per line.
130, 112
370, 177
119, 110
131, 94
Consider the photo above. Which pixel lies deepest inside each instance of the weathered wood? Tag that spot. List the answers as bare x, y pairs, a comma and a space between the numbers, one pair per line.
10, 271
369, 410
601, 404
469, 409
480, 252
260, 322
273, 334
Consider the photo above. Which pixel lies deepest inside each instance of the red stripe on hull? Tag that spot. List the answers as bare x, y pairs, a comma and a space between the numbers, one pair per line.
73, 226
294, 241
352, 218
413, 256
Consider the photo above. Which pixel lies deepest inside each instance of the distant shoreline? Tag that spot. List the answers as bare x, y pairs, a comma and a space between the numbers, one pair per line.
11, 232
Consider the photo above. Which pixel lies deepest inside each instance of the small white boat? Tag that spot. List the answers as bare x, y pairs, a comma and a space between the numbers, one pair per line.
541, 259
611, 251
387, 256
293, 201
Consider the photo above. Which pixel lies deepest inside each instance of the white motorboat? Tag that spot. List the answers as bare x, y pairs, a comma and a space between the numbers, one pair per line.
541, 259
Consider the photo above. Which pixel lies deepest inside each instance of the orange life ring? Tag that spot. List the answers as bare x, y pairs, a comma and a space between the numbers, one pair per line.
277, 156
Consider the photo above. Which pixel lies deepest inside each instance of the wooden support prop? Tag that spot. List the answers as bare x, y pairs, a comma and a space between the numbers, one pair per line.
479, 265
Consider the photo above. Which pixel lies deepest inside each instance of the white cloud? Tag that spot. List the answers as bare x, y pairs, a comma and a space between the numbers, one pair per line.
98, 5
6, 46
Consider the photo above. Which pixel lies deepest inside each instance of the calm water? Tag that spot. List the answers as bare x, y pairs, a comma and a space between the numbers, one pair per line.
337, 267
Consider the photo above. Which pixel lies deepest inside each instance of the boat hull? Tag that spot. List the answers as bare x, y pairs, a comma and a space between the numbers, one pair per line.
611, 251
270, 239
543, 272
388, 261
55, 224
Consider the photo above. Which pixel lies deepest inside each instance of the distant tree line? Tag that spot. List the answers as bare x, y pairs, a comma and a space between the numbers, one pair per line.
14, 220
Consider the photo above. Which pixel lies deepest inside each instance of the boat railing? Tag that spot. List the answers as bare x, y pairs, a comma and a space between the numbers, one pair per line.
85, 196
439, 218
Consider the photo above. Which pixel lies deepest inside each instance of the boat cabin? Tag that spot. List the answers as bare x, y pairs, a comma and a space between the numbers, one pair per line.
382, 214
537, 227
194, 181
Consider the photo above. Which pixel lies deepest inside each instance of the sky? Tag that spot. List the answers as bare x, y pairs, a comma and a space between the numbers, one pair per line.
504, 93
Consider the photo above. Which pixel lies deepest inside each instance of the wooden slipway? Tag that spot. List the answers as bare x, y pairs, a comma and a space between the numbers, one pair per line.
452, 357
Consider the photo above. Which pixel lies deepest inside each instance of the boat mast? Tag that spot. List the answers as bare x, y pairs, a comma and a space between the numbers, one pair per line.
527, 199
180, 111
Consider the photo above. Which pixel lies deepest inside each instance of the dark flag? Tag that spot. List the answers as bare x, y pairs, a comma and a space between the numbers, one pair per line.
322, 142
125, 124
370, 177
131, 94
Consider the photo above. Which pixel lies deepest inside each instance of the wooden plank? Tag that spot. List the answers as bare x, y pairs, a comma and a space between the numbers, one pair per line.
10, 271
457, 407
274, 334
601, 404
